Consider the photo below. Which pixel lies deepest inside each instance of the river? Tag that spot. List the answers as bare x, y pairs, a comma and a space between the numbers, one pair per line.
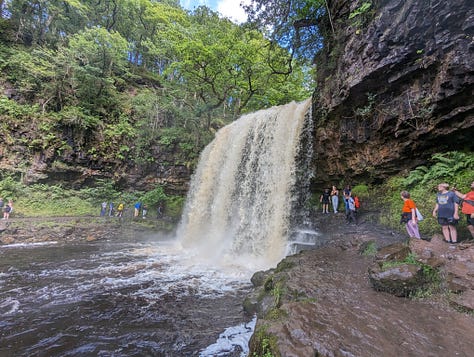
140, 296
154, 296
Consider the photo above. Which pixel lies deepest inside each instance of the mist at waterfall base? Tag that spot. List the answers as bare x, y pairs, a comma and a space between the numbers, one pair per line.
167, 296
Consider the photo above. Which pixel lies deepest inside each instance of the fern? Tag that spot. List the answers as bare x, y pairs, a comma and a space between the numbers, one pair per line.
447, 167
416, 176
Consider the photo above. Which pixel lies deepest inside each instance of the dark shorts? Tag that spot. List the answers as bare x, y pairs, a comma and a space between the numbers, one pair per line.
470, 221
447, 221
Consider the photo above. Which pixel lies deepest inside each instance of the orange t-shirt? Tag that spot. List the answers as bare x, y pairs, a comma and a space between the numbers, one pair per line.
408, 206
466, 207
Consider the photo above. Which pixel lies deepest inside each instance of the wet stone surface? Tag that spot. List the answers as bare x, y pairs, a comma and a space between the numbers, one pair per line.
328, 307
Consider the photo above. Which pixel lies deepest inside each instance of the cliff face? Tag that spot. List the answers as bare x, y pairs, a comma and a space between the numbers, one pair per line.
395, 85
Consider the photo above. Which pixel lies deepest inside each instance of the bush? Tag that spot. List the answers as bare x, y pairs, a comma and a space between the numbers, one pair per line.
453, 167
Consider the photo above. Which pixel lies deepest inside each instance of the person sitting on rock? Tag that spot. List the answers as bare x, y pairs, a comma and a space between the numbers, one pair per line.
468, 207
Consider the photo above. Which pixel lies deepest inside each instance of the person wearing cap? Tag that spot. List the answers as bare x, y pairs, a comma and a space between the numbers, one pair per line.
468, 207
446, 211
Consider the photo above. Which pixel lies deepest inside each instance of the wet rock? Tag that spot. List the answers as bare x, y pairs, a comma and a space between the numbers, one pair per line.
91, 238
405, 72
464, 301
394, 252
401, 280
258, 279
7, 240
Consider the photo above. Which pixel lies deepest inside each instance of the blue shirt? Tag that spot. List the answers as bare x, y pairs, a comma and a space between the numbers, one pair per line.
446, 203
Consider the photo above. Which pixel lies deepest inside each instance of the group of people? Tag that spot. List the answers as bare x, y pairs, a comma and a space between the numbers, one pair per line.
108, 209
140, 209
446, 211
6, 208
351, 203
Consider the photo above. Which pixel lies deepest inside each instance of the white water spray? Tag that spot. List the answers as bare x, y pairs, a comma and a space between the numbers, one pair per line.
240, 200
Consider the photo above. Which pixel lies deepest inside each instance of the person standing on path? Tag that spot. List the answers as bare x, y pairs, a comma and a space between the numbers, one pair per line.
468, 207
324, 199
335, 198
351, 213
446, 211
6, 211
103, 209
137, 207
409, 215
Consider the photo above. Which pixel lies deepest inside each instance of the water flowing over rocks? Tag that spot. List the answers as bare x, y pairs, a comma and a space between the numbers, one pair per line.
322, 303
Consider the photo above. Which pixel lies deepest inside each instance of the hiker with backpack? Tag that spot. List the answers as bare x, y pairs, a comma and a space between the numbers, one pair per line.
467, 207
446, 211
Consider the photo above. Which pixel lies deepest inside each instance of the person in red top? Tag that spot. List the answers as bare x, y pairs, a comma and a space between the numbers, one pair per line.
409, 215
468, 207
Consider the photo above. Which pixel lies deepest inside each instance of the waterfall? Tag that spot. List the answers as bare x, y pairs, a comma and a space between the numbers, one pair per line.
242, 198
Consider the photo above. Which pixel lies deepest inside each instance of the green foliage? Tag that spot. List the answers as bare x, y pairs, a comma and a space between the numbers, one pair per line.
10, 109
285, 264
10, 188
264, 344
174, 206
453, 167
362, 9
276, 314
154, 197
370, 250
360, 190
431, 276
77, 117
410, 259
54, 200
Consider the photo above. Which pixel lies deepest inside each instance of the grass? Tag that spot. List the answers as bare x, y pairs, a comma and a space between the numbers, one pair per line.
42, 200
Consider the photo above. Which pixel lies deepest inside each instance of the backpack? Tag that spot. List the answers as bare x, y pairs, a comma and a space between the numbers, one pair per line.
356, 202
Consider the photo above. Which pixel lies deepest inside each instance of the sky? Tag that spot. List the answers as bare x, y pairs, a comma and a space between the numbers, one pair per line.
227, 8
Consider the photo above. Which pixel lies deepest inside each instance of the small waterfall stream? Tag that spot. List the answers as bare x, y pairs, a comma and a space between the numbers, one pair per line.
242, 197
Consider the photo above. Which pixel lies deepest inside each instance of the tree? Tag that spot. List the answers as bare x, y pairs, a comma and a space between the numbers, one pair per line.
294, 25
98, 56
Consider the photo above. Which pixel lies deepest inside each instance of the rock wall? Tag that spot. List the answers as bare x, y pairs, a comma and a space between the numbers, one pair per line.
395, 84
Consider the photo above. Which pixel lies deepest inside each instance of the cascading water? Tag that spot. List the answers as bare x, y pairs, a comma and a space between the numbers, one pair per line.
242, 196
139, 295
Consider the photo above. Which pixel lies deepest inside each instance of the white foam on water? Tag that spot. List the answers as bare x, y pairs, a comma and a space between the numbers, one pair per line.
230, 339
9, 306
28, 245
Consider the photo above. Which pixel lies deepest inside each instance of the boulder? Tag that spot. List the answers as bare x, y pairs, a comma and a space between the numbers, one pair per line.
401, 280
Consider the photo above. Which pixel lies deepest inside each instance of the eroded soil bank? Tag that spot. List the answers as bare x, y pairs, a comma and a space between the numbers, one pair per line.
327, 306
